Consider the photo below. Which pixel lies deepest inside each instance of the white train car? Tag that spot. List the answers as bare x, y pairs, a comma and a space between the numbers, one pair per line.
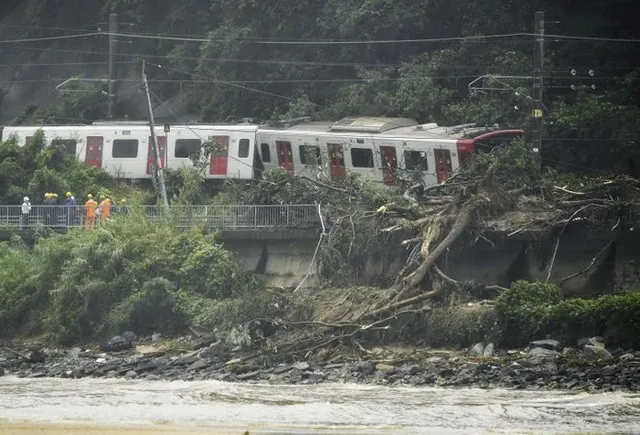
377, 148
381, 149
124, 148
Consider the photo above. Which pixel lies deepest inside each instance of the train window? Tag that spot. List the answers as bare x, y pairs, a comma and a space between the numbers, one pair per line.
125, 148
362, 157
416, 161
68, 145
266, 152
185, 148
243, 148
310, 155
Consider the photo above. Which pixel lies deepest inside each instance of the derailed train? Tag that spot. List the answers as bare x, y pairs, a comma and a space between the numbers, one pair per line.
381, 149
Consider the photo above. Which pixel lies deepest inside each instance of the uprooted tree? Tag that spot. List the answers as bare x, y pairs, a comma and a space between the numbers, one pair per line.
504, 189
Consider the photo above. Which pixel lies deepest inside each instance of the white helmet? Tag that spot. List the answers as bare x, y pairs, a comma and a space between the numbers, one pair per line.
26, 198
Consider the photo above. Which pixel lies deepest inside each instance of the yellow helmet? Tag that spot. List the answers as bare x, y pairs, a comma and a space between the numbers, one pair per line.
103, 197
55, 195
123, 200
47, 194
68, 194
89, 196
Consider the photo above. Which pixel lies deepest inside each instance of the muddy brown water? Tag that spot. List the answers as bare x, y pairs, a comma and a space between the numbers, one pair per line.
57, 406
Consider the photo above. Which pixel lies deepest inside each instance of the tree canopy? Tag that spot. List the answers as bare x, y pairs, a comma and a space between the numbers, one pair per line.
328, 59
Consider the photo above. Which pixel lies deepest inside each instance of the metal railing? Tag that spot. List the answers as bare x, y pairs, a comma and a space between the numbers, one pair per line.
215, 217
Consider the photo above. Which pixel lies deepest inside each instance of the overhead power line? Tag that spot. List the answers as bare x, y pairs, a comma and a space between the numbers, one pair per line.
319, 42
258, 40
50, 38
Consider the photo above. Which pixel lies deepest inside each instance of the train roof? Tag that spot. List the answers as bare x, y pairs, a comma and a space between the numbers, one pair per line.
382, 126
136, 126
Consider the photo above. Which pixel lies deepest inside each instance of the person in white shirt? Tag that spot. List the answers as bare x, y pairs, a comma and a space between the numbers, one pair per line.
26, 209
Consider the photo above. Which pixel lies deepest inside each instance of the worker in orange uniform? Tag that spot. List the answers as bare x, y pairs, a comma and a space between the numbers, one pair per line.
105, 209
90, 208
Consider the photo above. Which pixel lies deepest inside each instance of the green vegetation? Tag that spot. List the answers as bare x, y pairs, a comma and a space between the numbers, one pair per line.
128, 274
529, 311
591, 116
33, 170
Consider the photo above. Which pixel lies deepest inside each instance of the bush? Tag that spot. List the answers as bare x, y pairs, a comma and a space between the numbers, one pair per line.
529, 311
519, 310
127, 274
615, 317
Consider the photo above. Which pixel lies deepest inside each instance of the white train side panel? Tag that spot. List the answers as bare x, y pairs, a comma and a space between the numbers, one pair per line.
125, 151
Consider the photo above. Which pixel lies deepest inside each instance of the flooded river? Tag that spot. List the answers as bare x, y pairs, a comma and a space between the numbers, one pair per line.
217, 407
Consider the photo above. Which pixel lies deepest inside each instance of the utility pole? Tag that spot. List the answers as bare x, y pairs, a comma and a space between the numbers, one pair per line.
538, 58
154, 143
113, 29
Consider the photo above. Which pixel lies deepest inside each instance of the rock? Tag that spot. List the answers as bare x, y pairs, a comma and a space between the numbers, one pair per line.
129, 336
248, 375
592, 341
101, 360
477, 349
131, 375
434, 360
594, 353
413, 370
381, 367
156, 337
570, 352
627, 357
37, 375
608, 370
546, 344
35, 356
116, 344
538, 355
198, 365
1, 371
145, 367
152, 377
302, 366
470, 366
281, 369
74, 353
488, 351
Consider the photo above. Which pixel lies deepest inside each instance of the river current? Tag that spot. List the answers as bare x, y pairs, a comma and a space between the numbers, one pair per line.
314, 409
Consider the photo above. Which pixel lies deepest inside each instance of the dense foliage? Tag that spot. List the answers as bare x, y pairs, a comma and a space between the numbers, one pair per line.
529, 311
127, 274
33, 170
591, 86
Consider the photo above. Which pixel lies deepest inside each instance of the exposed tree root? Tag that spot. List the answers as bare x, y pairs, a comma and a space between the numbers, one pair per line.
432, 225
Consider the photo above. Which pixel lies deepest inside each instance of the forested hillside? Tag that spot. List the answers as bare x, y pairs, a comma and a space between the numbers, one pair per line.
227, 60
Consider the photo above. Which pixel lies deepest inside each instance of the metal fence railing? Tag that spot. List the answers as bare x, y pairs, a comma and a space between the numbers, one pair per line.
216, 217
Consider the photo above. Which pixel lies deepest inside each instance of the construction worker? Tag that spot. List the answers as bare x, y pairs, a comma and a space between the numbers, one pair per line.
69, 209
90, 208
26, 209
104, 209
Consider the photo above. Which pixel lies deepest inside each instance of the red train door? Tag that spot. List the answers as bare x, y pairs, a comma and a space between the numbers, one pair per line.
443, 164
151, 156
93, 156
285, 158
389, 165
219, 156
336, 162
